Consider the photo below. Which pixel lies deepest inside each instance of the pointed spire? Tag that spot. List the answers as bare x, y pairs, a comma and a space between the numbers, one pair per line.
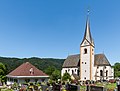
87, 34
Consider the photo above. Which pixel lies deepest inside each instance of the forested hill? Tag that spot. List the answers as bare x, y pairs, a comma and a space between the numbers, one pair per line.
40, 63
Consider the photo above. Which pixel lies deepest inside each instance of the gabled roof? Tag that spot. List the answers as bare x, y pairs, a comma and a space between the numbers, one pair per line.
27, 70
72, 61
101, 60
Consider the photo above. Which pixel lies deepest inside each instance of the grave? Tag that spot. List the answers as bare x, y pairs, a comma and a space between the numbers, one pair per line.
95, 88
118, 87
71, 87
56, 87
44, 87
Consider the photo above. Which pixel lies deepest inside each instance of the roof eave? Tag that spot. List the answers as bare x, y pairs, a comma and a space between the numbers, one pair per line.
27, 76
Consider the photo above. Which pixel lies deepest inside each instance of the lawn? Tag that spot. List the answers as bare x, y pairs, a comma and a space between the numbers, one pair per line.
6, 90
107, 85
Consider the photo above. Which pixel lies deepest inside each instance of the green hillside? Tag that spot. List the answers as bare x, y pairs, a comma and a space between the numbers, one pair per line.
40, 63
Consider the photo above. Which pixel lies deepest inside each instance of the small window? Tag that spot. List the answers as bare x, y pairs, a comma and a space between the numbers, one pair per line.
82, 62
85, 63
101, 73
75, 70
106, 72
85, 51
27, 80
36, 80
84, 77
72, 71
66, 71
85, 70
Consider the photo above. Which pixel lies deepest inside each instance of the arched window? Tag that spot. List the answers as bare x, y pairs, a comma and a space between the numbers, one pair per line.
101, 73
72, 71
85, 51
106, 73
65, 71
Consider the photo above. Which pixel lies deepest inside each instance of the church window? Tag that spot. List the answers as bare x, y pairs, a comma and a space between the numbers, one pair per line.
72, 71
66, 71
85, 51
78, 72
101, 73
75, 70
106, 72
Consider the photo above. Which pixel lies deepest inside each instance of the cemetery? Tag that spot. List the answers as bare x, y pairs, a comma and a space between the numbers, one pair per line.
63, 86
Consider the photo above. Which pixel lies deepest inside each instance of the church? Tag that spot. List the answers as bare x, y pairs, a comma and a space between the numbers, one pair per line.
87, 65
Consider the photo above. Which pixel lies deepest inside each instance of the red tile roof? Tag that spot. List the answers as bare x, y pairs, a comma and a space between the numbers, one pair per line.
27, 69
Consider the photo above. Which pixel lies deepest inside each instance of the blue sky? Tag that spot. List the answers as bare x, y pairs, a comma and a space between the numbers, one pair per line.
55, 28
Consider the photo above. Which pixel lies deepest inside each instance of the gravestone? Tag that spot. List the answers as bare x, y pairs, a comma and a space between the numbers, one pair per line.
72, 87
44, 87
95, 88
118, 86
56, 87
35, 88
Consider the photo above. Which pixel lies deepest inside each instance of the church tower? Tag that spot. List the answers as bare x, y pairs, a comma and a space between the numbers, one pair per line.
87, 55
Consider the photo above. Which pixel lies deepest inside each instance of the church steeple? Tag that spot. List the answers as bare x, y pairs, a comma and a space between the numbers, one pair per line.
87, 35
87, 54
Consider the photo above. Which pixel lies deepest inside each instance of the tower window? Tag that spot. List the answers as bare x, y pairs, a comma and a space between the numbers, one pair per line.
85, 51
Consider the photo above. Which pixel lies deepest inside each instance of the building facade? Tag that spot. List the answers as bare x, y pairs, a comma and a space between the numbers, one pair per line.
26, 73
87, 65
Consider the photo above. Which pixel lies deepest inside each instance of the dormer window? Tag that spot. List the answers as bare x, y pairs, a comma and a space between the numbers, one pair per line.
85, 51
31, 71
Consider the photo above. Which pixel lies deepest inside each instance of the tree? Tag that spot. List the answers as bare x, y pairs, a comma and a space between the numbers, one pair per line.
2, 73
66, 77
55, 75
50, 70
117, 69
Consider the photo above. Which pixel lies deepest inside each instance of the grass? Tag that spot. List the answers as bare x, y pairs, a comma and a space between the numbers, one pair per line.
111, 86
107, 85
6, 90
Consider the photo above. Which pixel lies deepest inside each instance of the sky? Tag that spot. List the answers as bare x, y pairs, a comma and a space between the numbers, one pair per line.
55, 28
